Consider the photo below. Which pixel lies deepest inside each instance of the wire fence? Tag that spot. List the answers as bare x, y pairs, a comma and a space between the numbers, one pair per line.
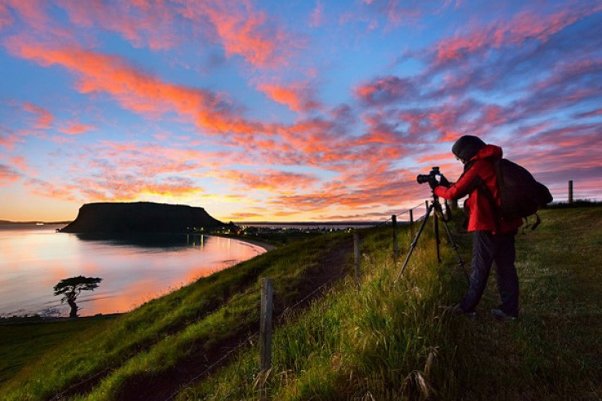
411, 215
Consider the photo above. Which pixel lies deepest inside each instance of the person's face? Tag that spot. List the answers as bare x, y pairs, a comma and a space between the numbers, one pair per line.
460, 160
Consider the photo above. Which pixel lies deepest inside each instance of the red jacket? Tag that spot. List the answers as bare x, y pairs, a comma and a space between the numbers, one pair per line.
481, 215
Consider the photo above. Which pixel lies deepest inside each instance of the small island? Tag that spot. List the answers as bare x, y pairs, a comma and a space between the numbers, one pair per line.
140, 217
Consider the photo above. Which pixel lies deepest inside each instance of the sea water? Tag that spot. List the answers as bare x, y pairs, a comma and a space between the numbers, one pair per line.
134, 269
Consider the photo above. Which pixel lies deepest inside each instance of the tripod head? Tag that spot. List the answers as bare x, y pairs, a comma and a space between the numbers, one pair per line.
438, 208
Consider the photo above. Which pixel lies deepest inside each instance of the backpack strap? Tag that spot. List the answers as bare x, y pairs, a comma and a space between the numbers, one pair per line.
532, 226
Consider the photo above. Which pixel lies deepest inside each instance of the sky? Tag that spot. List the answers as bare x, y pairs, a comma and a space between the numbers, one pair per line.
288, 110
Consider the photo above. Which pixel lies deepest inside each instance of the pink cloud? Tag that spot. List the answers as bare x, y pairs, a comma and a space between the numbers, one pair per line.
270, 180
591, 113
245, 31
523, 26
316, 17
5, 17
19, 162
140, 22
76, 128
8, 140
296, 97
385, 90
51, 190
33, 12
44, 118
136, 90
8, 175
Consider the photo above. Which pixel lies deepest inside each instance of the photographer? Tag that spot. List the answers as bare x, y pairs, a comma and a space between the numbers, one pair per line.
493, 239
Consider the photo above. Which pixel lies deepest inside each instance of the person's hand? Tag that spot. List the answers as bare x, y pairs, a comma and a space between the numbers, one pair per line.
439, 190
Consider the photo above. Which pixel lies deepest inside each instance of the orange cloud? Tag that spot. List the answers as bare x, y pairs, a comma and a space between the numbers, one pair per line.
44, 118
270, 180
140, 22
75, 128
244, 31
135, 90
296, 97
8, 141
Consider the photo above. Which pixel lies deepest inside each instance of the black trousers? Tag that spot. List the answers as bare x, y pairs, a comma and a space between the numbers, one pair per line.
486, 249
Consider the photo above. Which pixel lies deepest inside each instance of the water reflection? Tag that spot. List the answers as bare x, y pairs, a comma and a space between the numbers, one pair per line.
160, 241
134, 269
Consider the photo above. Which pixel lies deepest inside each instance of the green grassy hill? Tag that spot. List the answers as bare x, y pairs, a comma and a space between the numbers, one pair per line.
380, 340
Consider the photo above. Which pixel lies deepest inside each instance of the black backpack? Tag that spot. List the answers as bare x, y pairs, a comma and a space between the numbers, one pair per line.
520, 194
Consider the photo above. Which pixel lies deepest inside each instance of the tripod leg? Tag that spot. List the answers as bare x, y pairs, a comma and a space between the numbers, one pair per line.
415, 241
437, 239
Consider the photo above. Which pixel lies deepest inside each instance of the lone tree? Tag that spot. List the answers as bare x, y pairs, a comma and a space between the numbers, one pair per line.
70, 288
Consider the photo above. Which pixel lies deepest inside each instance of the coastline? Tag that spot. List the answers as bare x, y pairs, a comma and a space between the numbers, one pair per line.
261, 244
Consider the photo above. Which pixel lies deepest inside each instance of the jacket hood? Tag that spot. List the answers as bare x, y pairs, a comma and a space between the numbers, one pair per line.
489, 152
467, 147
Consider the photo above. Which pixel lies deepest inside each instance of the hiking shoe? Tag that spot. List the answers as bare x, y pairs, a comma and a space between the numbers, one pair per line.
502, 316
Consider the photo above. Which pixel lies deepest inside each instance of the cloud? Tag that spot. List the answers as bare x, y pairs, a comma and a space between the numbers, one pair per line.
76, 128
270, 180
135, 90
5, 17
51, 190
244, 31
8, 175
524, 26
316, 17
588, 114
142, 22
297, 97
386, 90
8, 139
44, 118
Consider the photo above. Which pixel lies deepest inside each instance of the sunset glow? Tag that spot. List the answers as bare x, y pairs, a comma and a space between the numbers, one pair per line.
288, 111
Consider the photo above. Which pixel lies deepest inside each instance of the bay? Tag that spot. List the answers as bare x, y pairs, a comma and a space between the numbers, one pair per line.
133, 269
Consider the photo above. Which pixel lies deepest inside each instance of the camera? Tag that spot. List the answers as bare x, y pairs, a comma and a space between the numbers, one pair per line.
434, 178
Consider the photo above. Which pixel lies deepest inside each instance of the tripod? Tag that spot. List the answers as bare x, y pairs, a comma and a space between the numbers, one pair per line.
437, 215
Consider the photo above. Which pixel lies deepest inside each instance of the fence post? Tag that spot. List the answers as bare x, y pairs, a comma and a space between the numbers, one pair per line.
395, 244
570, 192
265, 324
356, 256
411, 216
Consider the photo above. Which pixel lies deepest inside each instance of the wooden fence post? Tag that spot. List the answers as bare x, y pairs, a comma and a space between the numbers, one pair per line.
395, 244
570, 192
411, 216
265, 324
356, 256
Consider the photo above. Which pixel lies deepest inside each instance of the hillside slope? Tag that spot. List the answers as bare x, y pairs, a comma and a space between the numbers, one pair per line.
395, 341
379, 340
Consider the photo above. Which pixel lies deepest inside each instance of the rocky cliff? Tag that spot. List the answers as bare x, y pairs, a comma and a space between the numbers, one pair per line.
140, 217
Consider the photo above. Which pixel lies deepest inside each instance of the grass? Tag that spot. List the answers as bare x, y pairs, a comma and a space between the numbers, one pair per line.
554, 351
26, 339
381, 340
394, 341
212, 309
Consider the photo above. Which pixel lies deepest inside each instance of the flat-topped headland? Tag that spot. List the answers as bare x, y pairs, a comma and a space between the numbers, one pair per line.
140, 217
